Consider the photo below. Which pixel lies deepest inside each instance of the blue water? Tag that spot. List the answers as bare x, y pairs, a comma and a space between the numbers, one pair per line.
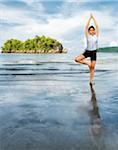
46, 103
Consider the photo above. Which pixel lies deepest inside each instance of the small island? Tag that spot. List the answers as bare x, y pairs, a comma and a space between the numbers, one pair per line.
108, 49
38, 44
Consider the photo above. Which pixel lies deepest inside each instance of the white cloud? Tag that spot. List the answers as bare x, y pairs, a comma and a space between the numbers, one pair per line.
13, 15
113, 43
30, 2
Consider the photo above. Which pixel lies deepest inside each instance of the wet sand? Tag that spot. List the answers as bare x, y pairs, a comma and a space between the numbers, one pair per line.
51, 106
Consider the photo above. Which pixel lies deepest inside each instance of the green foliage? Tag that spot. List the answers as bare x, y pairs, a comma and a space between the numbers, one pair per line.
42, 43
12, 44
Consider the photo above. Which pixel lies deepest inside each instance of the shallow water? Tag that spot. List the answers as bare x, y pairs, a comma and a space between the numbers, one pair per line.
46, 103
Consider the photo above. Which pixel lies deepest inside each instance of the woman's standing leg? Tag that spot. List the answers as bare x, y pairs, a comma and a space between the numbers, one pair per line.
92, 69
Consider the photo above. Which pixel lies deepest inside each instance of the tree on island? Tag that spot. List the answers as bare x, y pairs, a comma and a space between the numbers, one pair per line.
38, 44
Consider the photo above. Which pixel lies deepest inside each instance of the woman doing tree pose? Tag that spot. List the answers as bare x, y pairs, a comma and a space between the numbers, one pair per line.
92, 34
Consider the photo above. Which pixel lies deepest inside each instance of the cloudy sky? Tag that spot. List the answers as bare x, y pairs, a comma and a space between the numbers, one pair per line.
64, 20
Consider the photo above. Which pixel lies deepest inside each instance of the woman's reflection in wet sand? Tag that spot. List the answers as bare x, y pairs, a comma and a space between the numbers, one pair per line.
95, 115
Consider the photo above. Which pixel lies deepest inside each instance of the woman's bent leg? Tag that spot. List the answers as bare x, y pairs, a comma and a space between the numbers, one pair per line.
81, 59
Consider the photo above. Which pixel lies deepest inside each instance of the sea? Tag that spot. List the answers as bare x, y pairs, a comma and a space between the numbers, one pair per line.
46, 102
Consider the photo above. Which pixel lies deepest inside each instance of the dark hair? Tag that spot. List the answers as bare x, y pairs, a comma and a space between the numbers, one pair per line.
91, 27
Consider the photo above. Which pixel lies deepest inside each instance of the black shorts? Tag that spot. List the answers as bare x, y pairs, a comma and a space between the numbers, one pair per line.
91, 54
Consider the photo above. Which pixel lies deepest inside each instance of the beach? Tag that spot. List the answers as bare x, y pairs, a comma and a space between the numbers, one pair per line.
46, 103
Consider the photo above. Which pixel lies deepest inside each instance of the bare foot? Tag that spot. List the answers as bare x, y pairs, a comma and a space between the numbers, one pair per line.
88, 63
91, 83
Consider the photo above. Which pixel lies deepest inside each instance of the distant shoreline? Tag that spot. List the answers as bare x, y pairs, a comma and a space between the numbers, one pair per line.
34, 53
108, 49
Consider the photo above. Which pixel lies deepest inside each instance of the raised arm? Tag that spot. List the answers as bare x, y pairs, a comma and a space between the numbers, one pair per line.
96, 25
87, 25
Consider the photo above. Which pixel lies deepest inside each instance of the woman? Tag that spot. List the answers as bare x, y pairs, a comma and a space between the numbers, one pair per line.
92, 46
